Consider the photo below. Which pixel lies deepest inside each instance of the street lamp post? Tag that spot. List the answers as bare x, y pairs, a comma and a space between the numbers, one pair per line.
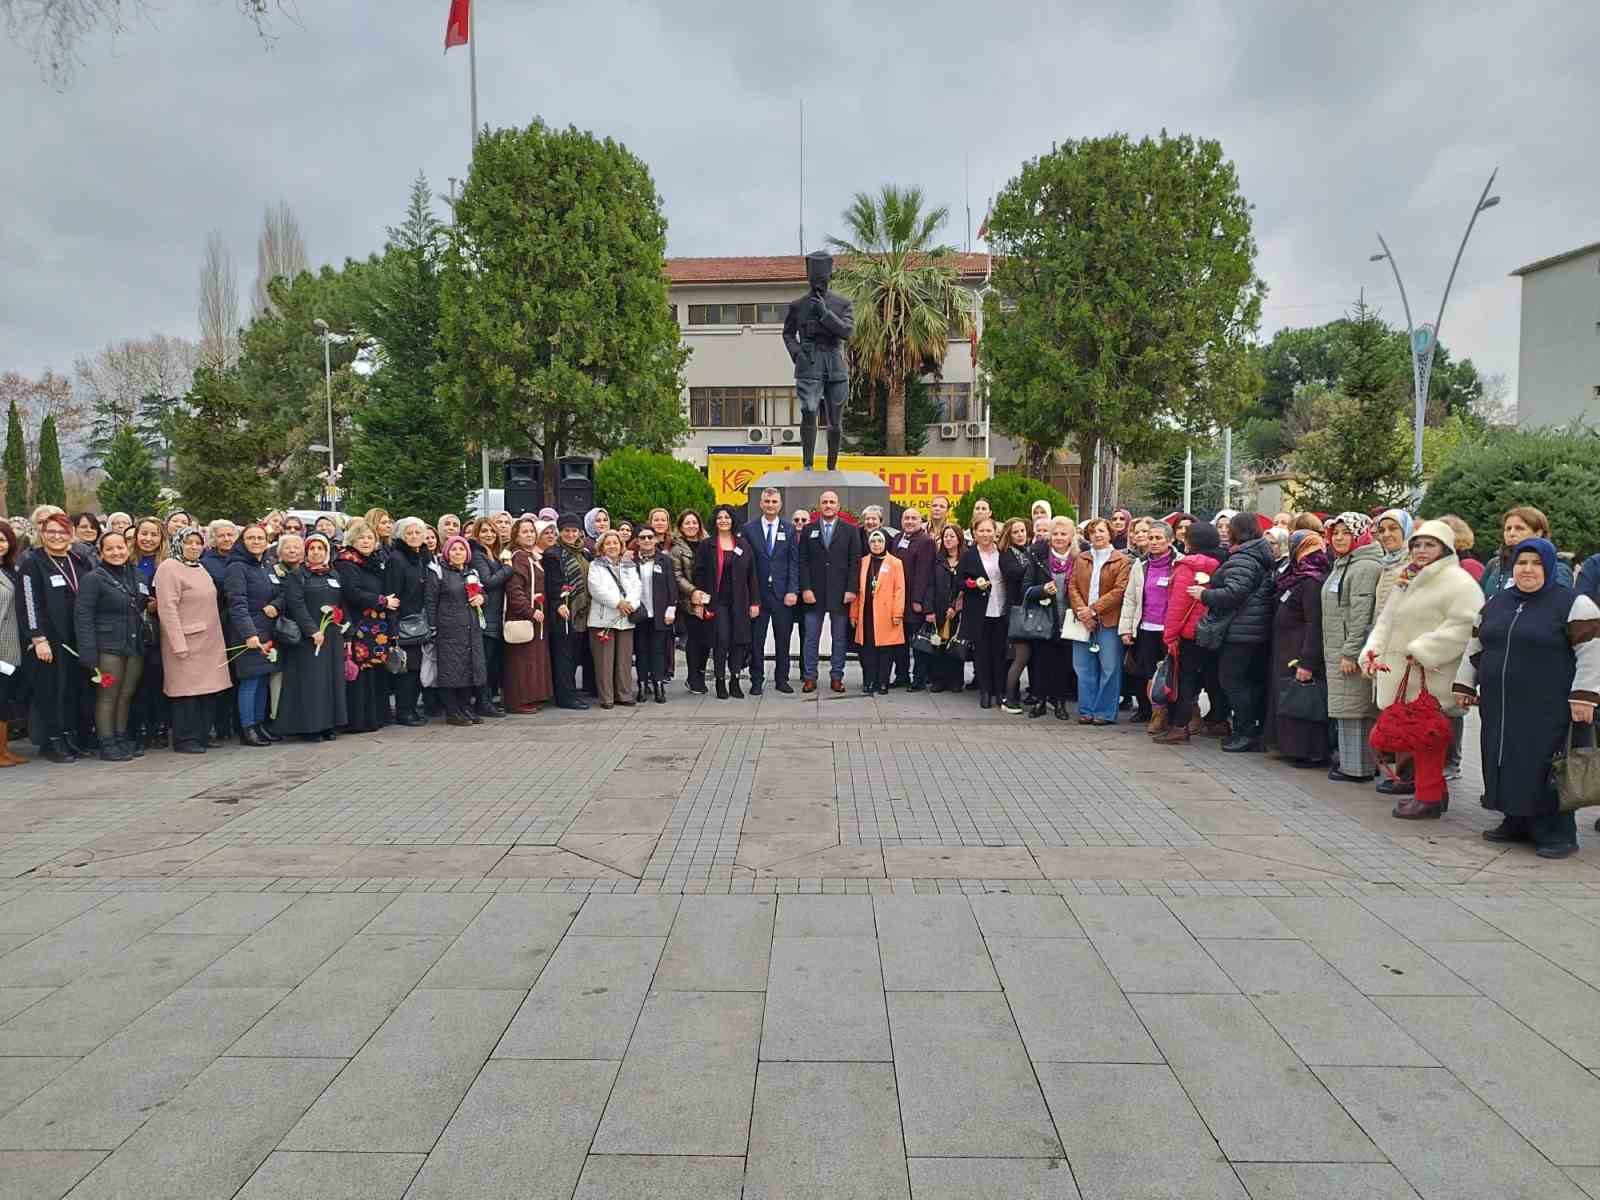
1424, 339
327, 376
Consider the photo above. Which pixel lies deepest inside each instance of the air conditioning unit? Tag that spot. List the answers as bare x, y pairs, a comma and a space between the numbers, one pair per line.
788, 436
757, 436
974, 429
949, 431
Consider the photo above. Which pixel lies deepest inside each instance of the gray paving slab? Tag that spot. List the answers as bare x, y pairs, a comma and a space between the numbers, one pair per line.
15, 1000
587, 1000
507, 944
213, 1135
626, 916
295, 942
229, 912
521, 1133
966, 1085
43, 1174
660, 1177
344, 1000
1324, 1181
1365, 950
78, 1017
1443, 1139
1554, 1004
398, 1093
41, 911
22, 1076
826, 1129
1431, 919
1131, 1134
1227, 917
719, 944
91, 939
686, 1082
1536, 1089
825, 1002
105, 1096
1008, 916
1560, 935
1145, 947
1066, 1004
1260, 1101
428, 912
932, 943
290, 1175
991, 1179
825, 916
1588, 1178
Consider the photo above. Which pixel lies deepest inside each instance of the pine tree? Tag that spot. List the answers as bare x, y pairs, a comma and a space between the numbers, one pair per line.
16, 465
156, 423
49, 486
215, 451
131, 484
400, 457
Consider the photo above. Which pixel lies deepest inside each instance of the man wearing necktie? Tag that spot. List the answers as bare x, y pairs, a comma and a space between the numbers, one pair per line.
830, 562
777, 587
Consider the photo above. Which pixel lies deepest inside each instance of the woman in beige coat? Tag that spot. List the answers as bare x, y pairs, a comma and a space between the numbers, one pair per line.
194, 662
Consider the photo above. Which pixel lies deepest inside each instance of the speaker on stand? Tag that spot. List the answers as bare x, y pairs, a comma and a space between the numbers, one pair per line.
524, 485
575, 484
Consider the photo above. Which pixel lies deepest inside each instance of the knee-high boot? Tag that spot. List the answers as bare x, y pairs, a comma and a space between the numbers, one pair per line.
7, 759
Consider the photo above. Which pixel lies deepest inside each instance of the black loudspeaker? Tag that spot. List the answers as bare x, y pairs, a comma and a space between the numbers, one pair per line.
524, 485
575, 484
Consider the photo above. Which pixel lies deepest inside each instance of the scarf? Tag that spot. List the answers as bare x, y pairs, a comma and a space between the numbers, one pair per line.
1403, 519
590, 527
1546, 551
1359, 525
1060, 565
1309, 560
1097, 560
575, 568
178, 540
325, 567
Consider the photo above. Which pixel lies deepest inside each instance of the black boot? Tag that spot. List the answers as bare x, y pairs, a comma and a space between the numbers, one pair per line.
1060, 710
660, 692
266, 731
134, 746
111, 750
58, 750
251, 735
1037, 711
733, 688
639, 692
722, 688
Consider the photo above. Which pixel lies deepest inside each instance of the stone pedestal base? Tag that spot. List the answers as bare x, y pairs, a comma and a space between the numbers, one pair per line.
800, 489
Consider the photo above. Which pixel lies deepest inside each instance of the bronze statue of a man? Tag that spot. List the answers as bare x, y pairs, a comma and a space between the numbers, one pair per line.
815, 332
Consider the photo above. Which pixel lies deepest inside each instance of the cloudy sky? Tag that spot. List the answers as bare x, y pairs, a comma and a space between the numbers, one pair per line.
1342, 119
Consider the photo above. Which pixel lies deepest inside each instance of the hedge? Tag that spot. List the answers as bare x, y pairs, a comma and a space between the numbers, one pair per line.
630, 483
1012, 496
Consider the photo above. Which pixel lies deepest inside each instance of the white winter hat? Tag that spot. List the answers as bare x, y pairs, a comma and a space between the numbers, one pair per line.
1438, 531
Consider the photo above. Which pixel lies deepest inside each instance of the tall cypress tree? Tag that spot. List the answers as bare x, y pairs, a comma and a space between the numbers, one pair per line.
50, 487
16, 465
131, 484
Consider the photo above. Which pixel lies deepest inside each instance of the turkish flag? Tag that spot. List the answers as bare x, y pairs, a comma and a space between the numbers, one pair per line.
457, 29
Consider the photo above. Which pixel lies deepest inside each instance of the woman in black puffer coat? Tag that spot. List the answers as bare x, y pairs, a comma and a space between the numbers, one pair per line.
453, 609
405, 575
109, 615
1239, 619
492, 562
254, 603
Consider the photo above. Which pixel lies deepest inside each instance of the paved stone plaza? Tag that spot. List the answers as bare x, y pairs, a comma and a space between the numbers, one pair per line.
850, 948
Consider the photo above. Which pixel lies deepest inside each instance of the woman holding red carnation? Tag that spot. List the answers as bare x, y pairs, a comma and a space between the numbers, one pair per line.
109, 615
313, 701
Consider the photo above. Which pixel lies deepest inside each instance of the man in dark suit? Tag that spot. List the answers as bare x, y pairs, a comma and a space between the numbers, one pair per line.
777, 588
915, 550
830, 571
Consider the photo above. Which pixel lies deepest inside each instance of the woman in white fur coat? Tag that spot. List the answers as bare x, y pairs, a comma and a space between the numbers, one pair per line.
1428, 620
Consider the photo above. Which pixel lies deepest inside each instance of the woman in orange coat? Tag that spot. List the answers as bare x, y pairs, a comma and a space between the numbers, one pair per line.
877, 614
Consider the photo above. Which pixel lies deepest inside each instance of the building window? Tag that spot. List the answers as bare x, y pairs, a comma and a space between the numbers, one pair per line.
739, 407
673, 309
955, 401
737, 314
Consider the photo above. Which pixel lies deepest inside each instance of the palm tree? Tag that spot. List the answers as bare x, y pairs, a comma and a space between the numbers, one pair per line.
907, 293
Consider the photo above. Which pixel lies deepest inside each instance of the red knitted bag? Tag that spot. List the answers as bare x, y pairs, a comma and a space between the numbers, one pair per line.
1411, 726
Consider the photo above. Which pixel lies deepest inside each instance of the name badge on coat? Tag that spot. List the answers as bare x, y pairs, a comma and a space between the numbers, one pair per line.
816, 533
739, 550
1164, 581
144, 589
57, 581
782, 537
333, 583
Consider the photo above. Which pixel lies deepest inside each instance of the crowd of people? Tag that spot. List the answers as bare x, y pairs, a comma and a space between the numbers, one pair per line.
1294, 633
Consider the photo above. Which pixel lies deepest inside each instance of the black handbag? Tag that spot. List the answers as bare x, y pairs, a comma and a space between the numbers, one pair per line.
413, 630
1304, 701
1031, 623
286, 631
1164, 683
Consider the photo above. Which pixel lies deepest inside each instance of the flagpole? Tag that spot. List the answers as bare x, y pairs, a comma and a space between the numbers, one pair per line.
472, 146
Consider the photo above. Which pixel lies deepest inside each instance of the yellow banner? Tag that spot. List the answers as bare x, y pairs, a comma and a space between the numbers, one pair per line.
912, 479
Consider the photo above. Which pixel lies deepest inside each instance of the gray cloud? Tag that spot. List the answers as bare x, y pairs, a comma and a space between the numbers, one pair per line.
1340, 122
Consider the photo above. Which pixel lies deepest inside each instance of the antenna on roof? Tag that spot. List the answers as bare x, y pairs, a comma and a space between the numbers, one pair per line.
802, 177
966, 179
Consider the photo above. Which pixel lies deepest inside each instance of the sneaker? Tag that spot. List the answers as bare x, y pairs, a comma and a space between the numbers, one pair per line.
1008, 705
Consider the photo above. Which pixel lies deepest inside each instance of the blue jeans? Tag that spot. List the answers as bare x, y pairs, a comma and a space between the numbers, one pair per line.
839, 631
253, 694
1099, 675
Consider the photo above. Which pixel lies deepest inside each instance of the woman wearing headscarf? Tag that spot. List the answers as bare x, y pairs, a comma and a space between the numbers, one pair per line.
312, 704
491, 559
1392, 532
595, 522
52, 575
1517, 526
613, 600
1349, 610
1144, 616
1297, 648
453, 606
1196, 665
1224, 530
696, 647
1533, 668
194, 664
405, 577
1426, 623
1095, 590
371, 611
255, 601
877, 614
526, 681
109, 617
13, 681
725, 583
1238, 616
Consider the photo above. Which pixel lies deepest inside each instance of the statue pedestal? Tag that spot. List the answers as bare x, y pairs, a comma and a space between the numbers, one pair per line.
856, 490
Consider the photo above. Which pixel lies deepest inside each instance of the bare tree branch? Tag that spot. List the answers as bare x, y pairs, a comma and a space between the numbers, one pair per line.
52, 30
219, 305
280, 253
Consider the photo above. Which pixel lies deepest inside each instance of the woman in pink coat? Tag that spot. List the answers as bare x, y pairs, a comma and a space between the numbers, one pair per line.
194, 661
